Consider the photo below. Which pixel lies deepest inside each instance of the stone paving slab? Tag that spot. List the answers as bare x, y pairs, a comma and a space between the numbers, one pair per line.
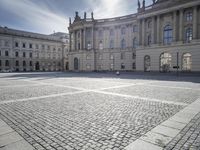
175, 138
85, 121
11, 140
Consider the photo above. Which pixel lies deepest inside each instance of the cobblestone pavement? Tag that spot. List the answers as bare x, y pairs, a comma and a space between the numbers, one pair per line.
188, 138
57, 111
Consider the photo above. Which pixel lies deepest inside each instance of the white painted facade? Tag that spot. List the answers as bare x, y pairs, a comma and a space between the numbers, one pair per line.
122, 43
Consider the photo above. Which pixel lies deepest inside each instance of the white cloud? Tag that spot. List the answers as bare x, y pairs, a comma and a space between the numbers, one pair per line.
38, 17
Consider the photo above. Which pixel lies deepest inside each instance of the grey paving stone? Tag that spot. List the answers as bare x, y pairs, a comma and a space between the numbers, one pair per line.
20, 145
9, 138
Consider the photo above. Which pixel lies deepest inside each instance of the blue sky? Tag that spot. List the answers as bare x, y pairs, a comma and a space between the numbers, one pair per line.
47, 16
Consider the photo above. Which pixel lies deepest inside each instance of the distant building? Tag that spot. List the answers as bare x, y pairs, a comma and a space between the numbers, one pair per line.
156, 38
26, 51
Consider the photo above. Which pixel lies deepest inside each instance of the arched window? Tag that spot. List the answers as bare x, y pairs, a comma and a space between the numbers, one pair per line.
111, 44
17, 63
100, 45
135, 43
111, 32
135, 28
7, 63
165, 62
24, 63
89, 45
123, 44
149, 24
100, 33
88, 57
189, 34
168, 36
147, 63
187, 62
149, 39
123, 31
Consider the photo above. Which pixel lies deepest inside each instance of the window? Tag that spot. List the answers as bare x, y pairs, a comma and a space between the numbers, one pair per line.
88, 66
17, 63
24, 54
133, 56
100, 45
149, 40
149, 24
16, 54
0, 53
31, 63
88, 57
100, 33
111, 66
24, 63
187, 62
37, 46
89, 46
189, 34
123, 31
6, 43
189, 16
43, 47
135, 28
165, 62
6, 53
100, 56
122, 66
24, 45
16, 44
122, 56
0, 62
134, 66
168, 34
48, 47
111, 56
111, 32
147, 63
111, 44
59, 64
30, 46
123, 44
7, 63
79, 46
135, 43
30, 55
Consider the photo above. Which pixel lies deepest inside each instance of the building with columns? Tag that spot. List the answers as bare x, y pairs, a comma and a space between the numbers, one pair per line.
161, 37
26, 51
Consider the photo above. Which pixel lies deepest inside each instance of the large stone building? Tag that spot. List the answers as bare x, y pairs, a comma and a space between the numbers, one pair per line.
156, 38
25, 51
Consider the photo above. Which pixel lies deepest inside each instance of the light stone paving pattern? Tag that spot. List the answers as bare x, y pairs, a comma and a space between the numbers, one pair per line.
97, 111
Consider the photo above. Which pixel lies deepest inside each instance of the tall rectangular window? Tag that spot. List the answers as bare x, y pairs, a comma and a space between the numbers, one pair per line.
24, 54
24, 45
6, 53
16, 44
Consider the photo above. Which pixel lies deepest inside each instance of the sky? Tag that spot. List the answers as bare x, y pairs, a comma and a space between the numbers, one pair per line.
48, 16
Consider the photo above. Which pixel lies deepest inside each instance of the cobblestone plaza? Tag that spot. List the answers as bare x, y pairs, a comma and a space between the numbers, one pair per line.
97, 111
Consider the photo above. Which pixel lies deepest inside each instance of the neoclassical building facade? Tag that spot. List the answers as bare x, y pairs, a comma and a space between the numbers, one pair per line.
26, 51
161, 37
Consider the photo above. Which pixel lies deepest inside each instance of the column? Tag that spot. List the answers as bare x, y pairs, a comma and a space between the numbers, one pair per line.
153, 30
174, 26
181, 25
92, 38
143, 32
195, 22
70, 41
84, 38
158, 30
139, 33
74, 40
81, 41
